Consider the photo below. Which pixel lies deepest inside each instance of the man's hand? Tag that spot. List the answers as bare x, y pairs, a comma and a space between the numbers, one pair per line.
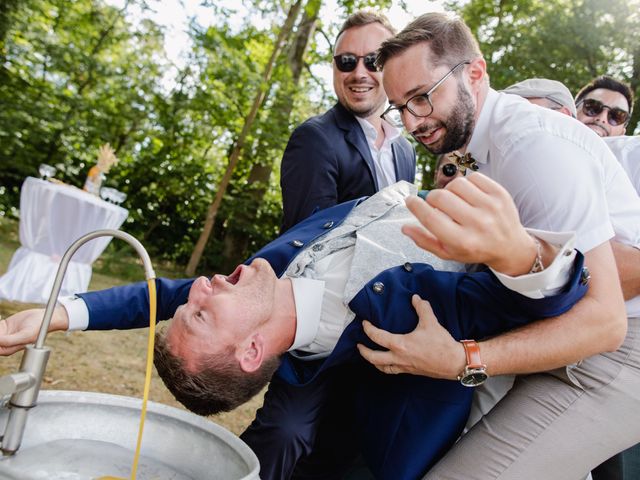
429, 350
21, 329
473, 220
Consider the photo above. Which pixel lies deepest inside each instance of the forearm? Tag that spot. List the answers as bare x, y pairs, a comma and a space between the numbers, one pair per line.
596, 324
628, 263
59, 320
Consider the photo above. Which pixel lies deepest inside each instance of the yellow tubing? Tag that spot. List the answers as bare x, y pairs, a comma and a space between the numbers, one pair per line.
147, 379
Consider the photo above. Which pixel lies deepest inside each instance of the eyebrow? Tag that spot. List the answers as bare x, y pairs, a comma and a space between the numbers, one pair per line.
184, 319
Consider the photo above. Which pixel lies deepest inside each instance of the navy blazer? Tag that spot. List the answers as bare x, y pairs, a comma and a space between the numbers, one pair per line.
328, 161
414, 419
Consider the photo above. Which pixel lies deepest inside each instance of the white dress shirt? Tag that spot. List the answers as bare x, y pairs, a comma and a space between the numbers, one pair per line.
560, 174
383, 156
562, 177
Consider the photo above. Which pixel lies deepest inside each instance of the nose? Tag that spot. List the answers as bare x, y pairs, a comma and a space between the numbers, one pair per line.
201, 287
361, 70
602, 117
409, 120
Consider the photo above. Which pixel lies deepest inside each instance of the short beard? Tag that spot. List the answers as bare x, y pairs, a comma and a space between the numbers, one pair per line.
459, 124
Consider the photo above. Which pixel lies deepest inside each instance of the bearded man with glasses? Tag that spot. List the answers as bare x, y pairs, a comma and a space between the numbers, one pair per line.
561, 177
604, 105
349, 151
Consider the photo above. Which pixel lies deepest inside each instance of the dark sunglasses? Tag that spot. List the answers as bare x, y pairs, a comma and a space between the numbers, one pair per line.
615, 116
347, 62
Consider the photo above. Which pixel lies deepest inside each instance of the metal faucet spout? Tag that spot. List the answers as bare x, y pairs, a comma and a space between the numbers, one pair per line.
34, 360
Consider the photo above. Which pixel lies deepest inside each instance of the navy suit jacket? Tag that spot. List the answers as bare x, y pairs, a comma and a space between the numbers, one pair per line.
414, 419
328, 161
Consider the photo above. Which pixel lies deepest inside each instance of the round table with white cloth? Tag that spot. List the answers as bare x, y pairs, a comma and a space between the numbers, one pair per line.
52, 217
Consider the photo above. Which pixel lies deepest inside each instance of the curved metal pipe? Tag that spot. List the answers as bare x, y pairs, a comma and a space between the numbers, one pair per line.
57, 283
34, 360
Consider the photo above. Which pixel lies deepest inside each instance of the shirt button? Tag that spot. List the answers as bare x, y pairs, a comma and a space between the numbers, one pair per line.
408, 267
328, 225
568, 252
297, 243
585, 276
317, 247
378, 288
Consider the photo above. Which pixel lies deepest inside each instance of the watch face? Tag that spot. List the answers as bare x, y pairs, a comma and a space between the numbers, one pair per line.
474, 377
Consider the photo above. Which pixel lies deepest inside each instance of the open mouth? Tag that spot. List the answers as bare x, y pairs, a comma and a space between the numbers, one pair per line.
234, 277
428, 136
364, 89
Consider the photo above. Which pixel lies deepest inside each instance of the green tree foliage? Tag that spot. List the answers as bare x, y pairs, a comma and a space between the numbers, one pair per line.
77, 74
572, 41
76, 77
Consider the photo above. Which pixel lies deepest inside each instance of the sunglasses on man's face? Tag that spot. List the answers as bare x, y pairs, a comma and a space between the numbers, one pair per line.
615, 116
347, 62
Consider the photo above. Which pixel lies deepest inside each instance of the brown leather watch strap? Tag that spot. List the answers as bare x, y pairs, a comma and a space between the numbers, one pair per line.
472, 352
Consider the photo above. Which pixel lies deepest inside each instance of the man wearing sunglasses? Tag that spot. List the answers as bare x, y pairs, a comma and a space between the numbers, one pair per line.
554, 168
348, 152
604, 105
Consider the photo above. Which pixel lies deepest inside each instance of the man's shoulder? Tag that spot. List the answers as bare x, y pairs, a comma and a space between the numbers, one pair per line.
623, 145
322, 120
516, 123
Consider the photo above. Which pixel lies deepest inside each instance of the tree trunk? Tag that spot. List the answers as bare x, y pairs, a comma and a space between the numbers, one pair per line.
239, 143
236, 240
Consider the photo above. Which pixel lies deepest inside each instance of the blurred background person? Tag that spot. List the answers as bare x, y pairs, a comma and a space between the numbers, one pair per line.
604, 105
545, 93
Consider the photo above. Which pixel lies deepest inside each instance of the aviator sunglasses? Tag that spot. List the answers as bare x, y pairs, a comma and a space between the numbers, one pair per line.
592, 108
347, 62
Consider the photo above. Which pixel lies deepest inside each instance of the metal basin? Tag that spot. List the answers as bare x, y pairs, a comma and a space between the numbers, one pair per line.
82, 436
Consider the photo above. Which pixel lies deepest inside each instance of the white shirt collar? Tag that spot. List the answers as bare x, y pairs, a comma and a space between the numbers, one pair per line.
479, 144
390, 132
307, 294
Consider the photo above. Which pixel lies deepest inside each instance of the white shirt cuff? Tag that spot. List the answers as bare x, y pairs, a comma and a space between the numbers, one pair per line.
553, 278
77, 312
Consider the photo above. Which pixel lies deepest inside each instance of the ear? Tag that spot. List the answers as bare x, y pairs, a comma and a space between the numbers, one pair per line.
251, 353
566, 111
477, 72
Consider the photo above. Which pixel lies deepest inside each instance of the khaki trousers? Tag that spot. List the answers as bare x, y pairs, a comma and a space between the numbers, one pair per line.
556, 425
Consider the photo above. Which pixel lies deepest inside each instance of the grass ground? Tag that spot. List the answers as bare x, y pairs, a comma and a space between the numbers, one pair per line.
107, 361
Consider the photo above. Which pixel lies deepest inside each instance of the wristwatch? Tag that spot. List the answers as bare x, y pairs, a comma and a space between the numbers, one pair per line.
475, 373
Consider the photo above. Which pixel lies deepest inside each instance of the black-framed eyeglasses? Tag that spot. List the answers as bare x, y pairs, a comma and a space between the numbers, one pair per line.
347, 62
419, 105
615, 116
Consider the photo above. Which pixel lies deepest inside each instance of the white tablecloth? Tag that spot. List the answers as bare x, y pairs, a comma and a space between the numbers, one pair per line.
52, 217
